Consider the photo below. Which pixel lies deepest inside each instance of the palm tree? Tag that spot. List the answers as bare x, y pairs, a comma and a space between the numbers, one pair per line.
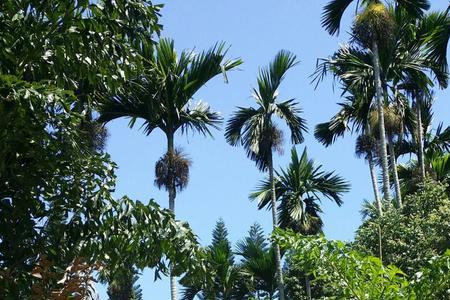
298, 188
254, 128
372, 28
160, 98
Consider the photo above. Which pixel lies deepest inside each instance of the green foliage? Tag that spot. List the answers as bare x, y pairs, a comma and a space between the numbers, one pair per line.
123, 286
79, 45
56, 58
295, 281
221, 276
258, 266
434, 281
220, 235
412, 236
347, 273
56, 196
224, 277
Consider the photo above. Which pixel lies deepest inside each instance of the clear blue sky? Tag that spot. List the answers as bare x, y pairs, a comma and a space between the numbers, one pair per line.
222, 176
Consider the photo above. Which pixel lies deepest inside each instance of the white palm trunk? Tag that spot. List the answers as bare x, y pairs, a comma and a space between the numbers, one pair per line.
172, 195
420, 152
275, 225
382, 130
373, 176
398, 193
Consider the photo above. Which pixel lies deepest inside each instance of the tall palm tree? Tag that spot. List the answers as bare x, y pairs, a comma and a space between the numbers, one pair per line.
372, 28
160, 97
299, 188
255, 129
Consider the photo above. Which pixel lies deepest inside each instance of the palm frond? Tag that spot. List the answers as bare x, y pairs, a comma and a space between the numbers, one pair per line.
441, 167
269, 79
237, 125
299, 188
436, 41
350, 65
262, 194
326, 133
290, 113
439, 144
415, 8
198, 119
332, 15
130, 103
206, 65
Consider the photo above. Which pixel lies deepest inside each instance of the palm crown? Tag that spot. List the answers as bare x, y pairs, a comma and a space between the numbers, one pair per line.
253, 127
161, 96
334, 10
299, 188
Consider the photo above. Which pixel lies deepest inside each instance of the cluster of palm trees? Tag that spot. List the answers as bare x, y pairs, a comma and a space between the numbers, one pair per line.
396, 55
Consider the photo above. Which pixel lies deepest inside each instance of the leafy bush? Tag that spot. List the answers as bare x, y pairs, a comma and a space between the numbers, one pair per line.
412, 236
349, 274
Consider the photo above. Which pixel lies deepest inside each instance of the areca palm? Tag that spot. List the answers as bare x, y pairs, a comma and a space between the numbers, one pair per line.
160, 98
435, 142
299, 188
373, 27
254, 128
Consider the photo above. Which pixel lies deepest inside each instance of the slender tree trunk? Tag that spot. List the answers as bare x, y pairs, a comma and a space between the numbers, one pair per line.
393, 160
308, 287
172, 195
373, 176
380, 245
380, 109
275, 225
419, 141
